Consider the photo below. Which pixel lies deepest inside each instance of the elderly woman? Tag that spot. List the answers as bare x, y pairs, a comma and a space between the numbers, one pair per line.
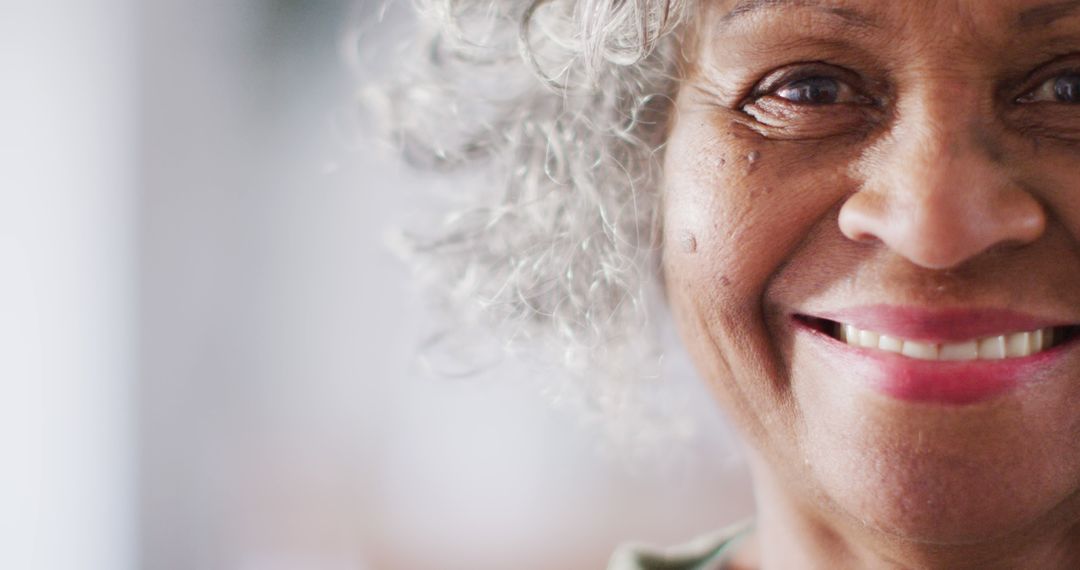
864, 217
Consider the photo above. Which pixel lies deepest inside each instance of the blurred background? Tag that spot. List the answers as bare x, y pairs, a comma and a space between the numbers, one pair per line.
209, 355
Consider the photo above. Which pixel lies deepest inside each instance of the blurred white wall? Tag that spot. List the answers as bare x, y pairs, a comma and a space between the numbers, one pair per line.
284, 422
67, 199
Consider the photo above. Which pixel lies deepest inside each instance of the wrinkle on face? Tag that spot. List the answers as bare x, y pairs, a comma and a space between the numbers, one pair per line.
1042, 16
851, 17
761, 184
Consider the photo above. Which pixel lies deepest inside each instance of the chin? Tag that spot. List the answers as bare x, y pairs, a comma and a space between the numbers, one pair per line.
995, 455
929, 498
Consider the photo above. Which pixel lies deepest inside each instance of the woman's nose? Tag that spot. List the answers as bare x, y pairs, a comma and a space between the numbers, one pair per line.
940, 198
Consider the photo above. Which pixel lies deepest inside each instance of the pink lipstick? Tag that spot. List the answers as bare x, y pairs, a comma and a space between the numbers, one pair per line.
954, 356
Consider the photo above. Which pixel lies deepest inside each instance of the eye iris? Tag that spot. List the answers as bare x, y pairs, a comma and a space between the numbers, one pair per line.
812, 90
1067, 88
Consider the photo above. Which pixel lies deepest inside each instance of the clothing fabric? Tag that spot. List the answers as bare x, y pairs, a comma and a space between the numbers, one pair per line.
710, 552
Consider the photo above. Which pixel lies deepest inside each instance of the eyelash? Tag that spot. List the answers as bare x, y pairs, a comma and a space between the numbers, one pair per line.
847, 90
774, 84
1047, 87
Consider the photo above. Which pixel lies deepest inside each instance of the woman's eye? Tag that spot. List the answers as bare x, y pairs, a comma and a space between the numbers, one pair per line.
1060, 89
1067, 88
816, 91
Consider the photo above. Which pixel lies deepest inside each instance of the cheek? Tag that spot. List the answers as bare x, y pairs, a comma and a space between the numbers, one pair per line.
735, 209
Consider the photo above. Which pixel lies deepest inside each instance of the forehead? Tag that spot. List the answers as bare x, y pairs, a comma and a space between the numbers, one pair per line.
971, 34
1005, 15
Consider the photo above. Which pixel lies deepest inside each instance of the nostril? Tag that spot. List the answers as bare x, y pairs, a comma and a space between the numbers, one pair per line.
867, 239
941, 215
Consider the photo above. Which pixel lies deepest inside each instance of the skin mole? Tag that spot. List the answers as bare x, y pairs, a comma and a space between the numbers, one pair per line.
908, 208
689, 242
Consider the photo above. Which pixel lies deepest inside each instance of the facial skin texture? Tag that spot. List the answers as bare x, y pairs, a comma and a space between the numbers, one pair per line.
931, 179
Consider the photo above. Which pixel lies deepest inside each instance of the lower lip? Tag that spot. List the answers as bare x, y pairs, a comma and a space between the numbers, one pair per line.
933, 381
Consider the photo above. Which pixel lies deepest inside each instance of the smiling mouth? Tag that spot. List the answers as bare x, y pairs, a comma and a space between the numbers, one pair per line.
1017, 344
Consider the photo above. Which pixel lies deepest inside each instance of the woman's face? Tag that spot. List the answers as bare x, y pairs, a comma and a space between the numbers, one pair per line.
910, 169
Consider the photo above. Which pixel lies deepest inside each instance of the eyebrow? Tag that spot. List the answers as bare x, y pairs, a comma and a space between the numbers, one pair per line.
747, 7
1046, 14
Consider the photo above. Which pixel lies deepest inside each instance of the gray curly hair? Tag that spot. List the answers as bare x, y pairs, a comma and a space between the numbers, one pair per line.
564, 103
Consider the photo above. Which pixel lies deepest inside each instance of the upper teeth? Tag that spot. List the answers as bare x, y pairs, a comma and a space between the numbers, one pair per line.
989, 348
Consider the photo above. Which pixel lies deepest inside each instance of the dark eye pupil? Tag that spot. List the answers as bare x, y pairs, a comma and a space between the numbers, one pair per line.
1067, 88
812, 90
